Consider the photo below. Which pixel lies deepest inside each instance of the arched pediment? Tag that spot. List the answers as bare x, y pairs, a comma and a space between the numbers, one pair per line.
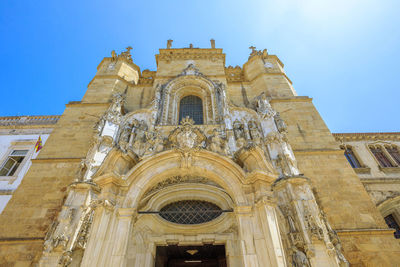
190, 83
212, 166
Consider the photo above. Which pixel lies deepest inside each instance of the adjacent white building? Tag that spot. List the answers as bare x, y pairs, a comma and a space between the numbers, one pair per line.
18, 137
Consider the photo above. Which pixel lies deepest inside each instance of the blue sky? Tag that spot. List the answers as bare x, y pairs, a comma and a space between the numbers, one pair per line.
343, 53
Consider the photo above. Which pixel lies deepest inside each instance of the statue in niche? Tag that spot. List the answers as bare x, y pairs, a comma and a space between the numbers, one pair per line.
124, 137
299, 258
280, 124
139, 145
217, 143
282, 166
254, 132
187, 137
238, 131
263, 106
114, 112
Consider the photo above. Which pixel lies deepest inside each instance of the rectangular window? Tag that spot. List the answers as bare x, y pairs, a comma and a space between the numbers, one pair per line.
381, 157
12, 162
391, 222
394, 153
351, 157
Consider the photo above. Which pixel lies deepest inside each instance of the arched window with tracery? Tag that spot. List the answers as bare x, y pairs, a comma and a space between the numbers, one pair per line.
191, 106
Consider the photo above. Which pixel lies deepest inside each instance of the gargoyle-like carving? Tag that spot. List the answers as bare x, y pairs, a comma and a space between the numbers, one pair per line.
187, 137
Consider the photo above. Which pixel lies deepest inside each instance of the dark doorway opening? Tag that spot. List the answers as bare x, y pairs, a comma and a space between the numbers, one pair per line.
191, 256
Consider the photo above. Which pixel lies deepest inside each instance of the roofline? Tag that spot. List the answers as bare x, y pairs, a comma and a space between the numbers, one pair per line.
7, 121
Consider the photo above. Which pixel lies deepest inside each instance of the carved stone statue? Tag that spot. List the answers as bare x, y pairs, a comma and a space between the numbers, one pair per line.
139, 145
280, 124
217, 144
238, 131
254, 132
124, 137
299, 259
263, 106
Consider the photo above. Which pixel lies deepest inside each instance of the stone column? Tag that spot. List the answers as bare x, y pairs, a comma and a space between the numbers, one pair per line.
97, 237
121, 236
245, 224
270, 227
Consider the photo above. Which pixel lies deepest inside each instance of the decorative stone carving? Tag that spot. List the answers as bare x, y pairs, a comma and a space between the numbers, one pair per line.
169, 43
65, 259
139, 142
114, 55
115, 111
254, 132
263, 107
217, 143
186, 137
127, 54
238, 131
299, 258
280, 124
190, 70
123, 141
156, 141
179, 180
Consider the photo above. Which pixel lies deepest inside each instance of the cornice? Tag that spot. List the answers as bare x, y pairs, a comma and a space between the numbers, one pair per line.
136, 67
291, 99
273, 74
318, 151
353, 232
108, 76
46, 160
190, 53
86, 104
29, 121
348, 137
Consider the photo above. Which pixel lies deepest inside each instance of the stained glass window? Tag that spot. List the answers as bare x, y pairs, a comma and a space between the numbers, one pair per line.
391, 222
381, 157
351, 157
190, 212
191, 106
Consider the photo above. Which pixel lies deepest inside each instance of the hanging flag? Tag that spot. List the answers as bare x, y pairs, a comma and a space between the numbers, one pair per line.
38, 145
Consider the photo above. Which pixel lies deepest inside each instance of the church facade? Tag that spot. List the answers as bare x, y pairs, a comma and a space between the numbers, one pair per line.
194, 164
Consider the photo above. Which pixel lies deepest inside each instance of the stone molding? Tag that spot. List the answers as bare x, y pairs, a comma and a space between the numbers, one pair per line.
190, 53
29, 120
352, 232
348, 137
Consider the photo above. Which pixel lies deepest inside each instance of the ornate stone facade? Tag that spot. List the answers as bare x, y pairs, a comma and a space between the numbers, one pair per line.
263, 157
